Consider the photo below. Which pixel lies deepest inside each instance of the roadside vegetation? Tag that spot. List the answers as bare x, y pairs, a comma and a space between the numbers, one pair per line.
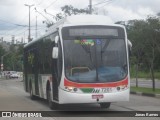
12, 60
145, 90
145, 57
144, 74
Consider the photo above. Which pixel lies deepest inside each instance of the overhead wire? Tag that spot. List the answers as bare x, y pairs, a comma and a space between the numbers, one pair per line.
13, 23
109, 2
39, 2
19, 27
104, 1
51, 4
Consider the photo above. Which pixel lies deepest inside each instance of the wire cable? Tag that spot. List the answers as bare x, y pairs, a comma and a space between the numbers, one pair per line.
51, 4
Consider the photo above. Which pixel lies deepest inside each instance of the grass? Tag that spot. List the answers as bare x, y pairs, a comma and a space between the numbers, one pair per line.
142, 74
145, 90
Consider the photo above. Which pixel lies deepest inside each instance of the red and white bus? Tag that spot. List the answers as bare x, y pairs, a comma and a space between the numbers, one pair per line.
81, 59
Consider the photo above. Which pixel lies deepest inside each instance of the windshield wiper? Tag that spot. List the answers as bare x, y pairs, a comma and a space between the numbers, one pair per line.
104, 48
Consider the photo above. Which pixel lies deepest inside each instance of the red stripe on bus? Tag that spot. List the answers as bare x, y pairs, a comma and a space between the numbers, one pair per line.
87, 85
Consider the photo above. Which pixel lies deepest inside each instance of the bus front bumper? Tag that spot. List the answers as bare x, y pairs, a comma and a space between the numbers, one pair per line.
74, 98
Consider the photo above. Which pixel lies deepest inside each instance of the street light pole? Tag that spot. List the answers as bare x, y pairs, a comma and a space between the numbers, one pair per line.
29, 35
90, 6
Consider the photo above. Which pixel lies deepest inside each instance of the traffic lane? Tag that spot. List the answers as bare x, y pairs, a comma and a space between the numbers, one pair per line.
145, 83
141, 103
13, 95
136, 103
14, 98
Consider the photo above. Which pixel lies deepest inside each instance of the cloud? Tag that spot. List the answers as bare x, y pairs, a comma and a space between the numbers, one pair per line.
145, 11
14, 11
7, 2
123, 14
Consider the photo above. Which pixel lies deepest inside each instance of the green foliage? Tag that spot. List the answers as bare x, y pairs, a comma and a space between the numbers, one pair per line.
144, 74
69, 10
13, 61
2, 51
145, 38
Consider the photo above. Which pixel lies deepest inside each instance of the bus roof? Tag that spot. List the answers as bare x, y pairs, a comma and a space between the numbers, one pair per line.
78, 20
82, 20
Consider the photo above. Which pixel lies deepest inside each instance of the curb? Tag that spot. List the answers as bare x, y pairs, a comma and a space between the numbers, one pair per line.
145, 94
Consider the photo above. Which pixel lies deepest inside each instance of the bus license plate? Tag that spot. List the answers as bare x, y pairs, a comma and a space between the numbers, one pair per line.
97, 96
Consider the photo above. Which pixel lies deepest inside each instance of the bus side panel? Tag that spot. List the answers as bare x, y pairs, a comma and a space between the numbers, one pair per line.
31, 82
44, 78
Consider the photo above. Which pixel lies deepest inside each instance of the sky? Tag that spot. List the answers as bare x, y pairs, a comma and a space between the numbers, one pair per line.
14, 15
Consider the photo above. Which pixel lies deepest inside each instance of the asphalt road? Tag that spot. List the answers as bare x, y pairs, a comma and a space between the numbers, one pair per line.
14, 98
145, 83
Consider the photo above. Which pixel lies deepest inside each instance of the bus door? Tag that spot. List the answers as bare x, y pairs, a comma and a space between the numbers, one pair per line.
35, 70
57, 70
36, 73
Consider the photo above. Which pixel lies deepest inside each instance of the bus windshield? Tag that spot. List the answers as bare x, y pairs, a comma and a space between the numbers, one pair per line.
95, 59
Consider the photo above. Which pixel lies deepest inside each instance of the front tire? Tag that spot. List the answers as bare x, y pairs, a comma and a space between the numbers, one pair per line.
105, 105
52, 105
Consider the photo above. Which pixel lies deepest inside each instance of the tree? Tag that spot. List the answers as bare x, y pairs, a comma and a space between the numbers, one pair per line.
145, 35
67, 10
152, 44
2, 52
136, 34
13, 61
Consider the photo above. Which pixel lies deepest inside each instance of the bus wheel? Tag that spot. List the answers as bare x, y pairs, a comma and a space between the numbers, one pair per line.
33, 97
51, 104
105, 105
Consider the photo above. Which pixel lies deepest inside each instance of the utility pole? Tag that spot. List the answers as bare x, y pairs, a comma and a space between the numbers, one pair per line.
29, 35
90, 6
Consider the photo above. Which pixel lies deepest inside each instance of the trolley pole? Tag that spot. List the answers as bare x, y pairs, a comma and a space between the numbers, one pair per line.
29, 35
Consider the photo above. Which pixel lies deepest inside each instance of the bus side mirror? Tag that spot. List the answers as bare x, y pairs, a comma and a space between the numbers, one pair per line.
56, 39
130, 51
55, 53
129, 47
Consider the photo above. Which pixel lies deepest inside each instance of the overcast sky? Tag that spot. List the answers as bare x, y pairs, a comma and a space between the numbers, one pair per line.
14, 13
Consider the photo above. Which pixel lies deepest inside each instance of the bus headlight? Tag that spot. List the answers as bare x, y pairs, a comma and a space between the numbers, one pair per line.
121, 88
71, 89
